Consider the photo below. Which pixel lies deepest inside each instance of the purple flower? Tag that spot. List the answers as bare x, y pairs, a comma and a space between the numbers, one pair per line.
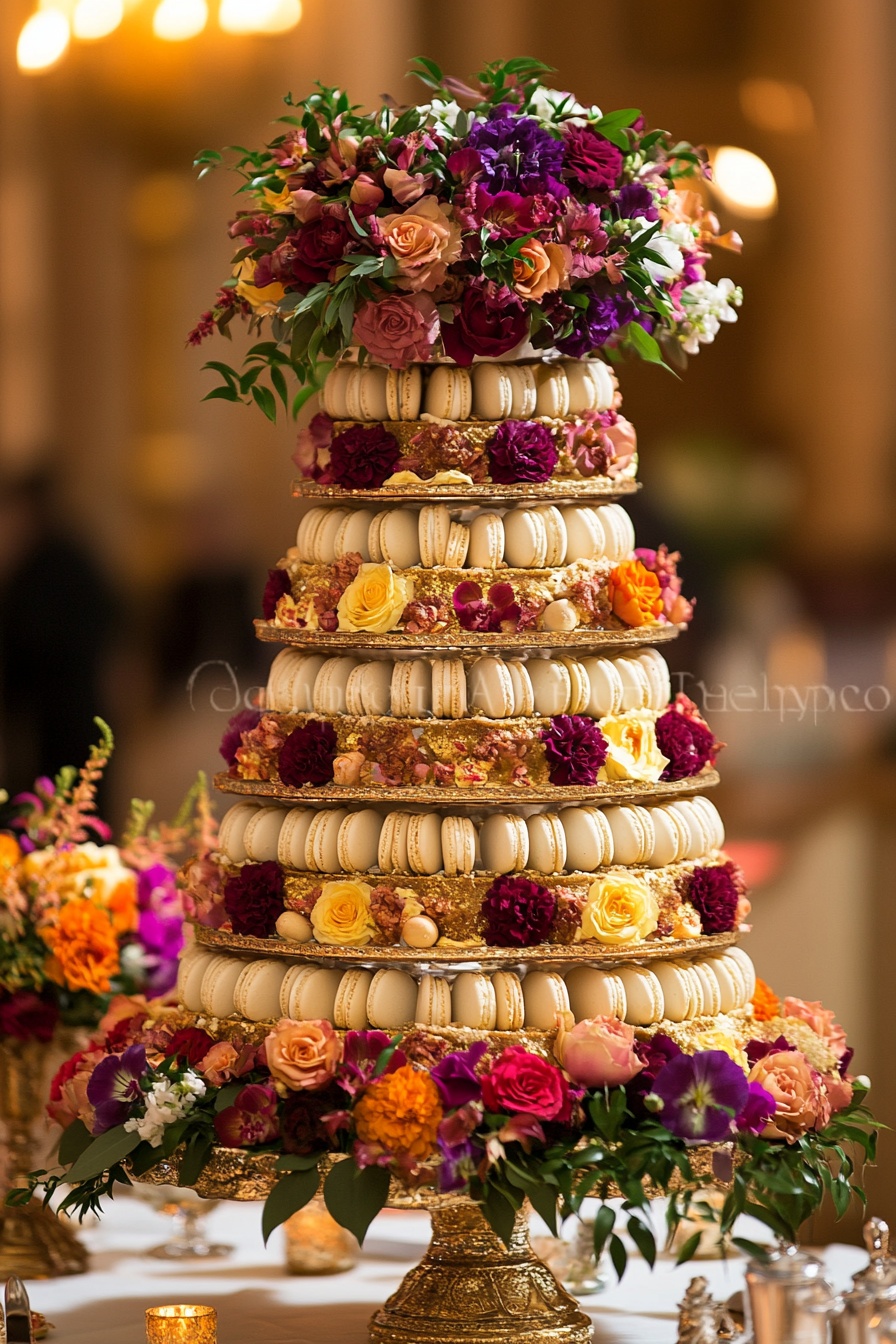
714, 894
360, 1055
242, 722
590, 158
114, 1087
655, 1054
591, 327
756, 1050
758, 1109
458, 1164
253, 898
455, 1076
687, 743
701, 1095
160, 926
307, 755
490, 320
517, 154
277, 586
361, 458
474, 612
517, 912
251, 1120
522, 450
634, 201
575, 749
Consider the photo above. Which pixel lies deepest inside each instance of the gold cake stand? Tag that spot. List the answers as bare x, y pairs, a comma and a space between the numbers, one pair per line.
417, 647
558, 490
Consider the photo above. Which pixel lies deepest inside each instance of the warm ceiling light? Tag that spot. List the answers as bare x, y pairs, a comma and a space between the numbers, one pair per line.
259, 16
744, 182
177, 20
93, 19
777, 105
43, 41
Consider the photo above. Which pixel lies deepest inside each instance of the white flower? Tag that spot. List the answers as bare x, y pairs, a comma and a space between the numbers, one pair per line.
440, 114
706, 306
681, 233
672, 263
553, 105
166, 1101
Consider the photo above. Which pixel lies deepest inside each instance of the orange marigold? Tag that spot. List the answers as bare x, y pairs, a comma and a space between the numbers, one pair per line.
9, 851
122, 904
400, 1113
766, 1003
634, 593
84, 947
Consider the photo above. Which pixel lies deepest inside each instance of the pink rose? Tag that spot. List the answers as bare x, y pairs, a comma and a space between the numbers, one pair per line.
68, 1090
217, 1065
821, 1020
624, 440
838, 1091
523, 1083
599, 1052
303, 1054
398, 329
795, 1087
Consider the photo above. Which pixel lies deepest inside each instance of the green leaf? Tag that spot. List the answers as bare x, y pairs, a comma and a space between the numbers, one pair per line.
102, 1154
499, 1211
644, 1239
544, 1201
198, 1151
264, 400
225, 370
280, 387
76, 1138
618, 1255
289, 1195
227, 1096
222, 394
751, 1248
297, 1161
645, 345
604, 1222
354, 1197
689, 1248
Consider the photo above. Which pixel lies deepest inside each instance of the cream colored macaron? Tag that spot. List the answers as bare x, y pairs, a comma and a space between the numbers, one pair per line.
330, 686
490, 688
352, 536
458, 546
589, 839
256, 996
583, 393
618, 530
523, 390
635, 685
486, 550
553, 391
434, 526
523, 690
606, 687
695, 825
433, 1001
739, 955
579, 685
544, 996
492, 392
392, 999
294, 928
218, 985
458, 846
633, 834
357, 844
190, 973
731, 984
547, 842
333, 393
526, 538
551, 685
404, 393
291, 683
373, 403
411, 690
424, 841
712, 994
656, 669
605, 383
504, 843
585, 539
559, 617
310, 993
449, 393
449, 688
323, 545
675, 983
473, 1001
393, 845
595, 993
350, 1007
262, 834
322, 840
293, 836
368, 689
510, 1009
643, 995
670, 838
713, 825
398, 541
231, 832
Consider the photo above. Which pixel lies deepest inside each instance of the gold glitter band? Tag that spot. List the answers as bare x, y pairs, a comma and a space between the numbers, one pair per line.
413, 646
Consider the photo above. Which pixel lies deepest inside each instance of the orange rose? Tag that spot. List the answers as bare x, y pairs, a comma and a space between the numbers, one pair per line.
216, 1066
537, 269
302, 1054
84, 947
9, 851
122, 905
766, 1003
423, 242
800, 1101
400, 1113
634, 593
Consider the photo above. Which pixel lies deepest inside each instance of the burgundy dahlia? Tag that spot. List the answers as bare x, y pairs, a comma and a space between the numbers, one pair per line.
575, 749
490, 320
687, 742
243, 722
522, 450
590, 158
517, 912
26, 1016
277, 586
307, 755
301, 1121
253, 898
713, 892
361, 458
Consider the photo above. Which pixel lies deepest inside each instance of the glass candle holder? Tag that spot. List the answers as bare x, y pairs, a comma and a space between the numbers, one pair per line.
183, 1324
316, 1244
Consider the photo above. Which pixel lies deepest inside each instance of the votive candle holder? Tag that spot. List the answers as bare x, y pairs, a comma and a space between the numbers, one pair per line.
181, 1324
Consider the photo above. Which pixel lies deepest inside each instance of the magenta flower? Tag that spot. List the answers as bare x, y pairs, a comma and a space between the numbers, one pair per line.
307, 755
490, 320
685, 739
500, 611
590, 158
700, 1096
26, 1016
575, 749
455, 1076
655, 1054
522, 450
312, 453
517, 912
361, 458
714, 892
251, 1120
360, 1056
507, 214
160, 930
758, 1109
114, 1087
242, 722
253, 898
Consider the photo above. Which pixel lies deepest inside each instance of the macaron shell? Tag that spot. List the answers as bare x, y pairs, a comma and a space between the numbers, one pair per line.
504, 843
604, 383
190, 973
486, 549
400, 539
350, 1007
606, 687
656, 670
333, 396
448, 393
313, 997
308, 525
712, 995
458, 545
643, 996
547, 843
322, 841
544, 996
218, 985
510, 1011
585, 537
557, 538
353, 533
676, 987
551, 687
473, 1001
299, 689
353, 394
709, 813
449, 688
523, 390
262, 834
635, 686
293, 836
582, 388
492, 392
391, 999
739, 955
589, 843
411, 692
289, 979
357, 845
579, 686
433, 1001
594, 993
629, 834
525, 539
326, 534
667, 843
232, 830
553, 392
425, 843
372, 394
375, 683
523, 692
730, 990
400, 860
257, 993
619, 531
490, 688
433, 527
404, 393
330, 686
458, 846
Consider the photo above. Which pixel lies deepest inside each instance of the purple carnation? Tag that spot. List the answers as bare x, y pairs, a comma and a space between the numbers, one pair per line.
517, 912
688, 744
522, 450
490, 320
113, 1088
307, 755
253, 898
713, 892
575, 749
455, 1076
517, 154
361, 458
635, 201
242, 722
701, 1095
591, 327
277, 586
591, 159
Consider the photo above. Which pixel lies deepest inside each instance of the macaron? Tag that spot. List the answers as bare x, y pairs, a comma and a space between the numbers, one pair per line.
449, 393
656, 669
551, 687
433, 1001
675, 983
643, 995
492, 392
449, 688
458, 846
218, 985
322, 840
633, 833
523, 390
504, 843
329, 687
635, 686
411, 689
256, 996
585, 539
486, 550
552, 398
709, 814
292, 837
262, 834
190, 973
424, 841
473, 1001
420, 932
232, 830
353, 393
670, 837
305, 534
352, 534
523, 690
579, 686
393, 845
606, 687
391, 999
695, 825
547, 842
618, 530
594, 993
458, 546
308, 993
582, 387
357, 845
559, 616
398, 540
731, 985
294, 928
739, 955
368, 689
604, 381
434, 525
350, 1007
490, 688
589, 839
526, 538
333, 392
404, 392
323, 545
510, 1009
373, 403
712, 994
291, 681
544, 996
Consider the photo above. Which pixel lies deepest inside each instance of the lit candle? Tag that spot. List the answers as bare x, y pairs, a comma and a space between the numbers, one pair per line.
181, 1325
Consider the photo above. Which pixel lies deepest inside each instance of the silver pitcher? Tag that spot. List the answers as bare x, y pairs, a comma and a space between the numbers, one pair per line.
788, 1299
869, 1308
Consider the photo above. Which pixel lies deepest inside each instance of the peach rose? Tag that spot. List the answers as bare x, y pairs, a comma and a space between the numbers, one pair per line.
217, 1065
347, 768
838, 1091
820, 1019
302, 1054
634, 593
538, 269
423, 241
796, 1088
599, 1052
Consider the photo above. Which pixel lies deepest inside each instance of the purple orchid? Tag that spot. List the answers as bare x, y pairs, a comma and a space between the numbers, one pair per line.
758, 1109
160, 926
455, 1076
114, 1087
701, 1095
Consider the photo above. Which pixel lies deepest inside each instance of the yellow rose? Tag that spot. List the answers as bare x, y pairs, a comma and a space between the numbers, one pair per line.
713, 1039
265, 299
374, 600
619, 909
341, 914
632, 751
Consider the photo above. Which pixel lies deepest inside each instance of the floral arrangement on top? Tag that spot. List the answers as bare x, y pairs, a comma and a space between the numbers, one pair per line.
464, 227
612, 1111
82, 919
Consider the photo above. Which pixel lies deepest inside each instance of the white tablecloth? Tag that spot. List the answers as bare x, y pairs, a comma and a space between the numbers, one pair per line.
257, 1301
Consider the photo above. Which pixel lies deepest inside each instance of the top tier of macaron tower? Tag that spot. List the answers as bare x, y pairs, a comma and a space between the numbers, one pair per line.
470, 800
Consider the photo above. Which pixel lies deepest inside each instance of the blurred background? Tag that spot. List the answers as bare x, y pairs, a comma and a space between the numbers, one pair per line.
137, 521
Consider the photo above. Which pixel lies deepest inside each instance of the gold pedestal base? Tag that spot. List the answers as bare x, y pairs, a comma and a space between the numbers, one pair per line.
35, 1244
470, 1288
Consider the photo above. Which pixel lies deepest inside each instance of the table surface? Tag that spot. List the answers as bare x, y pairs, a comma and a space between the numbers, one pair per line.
257, 1300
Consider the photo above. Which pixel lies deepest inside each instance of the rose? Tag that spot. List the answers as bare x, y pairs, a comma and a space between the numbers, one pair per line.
423, 241
796, 1090
490, 320
821, 1020
634, 593
347, 768
591, 159
523, 1083
598, 1052
188, 1046
302, 1054
374, 600
68, 1090
307, 755
302, 1119
398, 329
318, 247
216, 1065
619, 909
838, 1091
537, 269
632, 751
341, 914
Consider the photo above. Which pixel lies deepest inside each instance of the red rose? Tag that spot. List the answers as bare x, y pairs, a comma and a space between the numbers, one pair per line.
523, 1083
189, 1045
591, 159
318, 247
27, 1016
491, 320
